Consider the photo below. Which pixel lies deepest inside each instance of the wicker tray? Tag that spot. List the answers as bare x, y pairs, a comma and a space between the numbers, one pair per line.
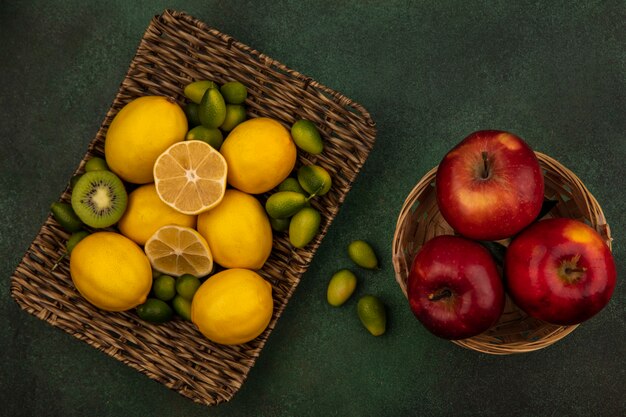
175, 50
420, 220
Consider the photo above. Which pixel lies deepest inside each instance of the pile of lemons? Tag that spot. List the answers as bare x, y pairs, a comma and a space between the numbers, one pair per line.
192, 209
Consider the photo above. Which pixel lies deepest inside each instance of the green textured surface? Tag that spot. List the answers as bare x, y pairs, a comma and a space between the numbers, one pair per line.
552, 72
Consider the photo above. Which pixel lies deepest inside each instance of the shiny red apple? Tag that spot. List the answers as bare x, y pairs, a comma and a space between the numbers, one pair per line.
490, 185
560, 271
454, 288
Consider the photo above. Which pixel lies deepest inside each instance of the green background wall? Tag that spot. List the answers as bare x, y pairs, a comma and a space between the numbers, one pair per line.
430, 73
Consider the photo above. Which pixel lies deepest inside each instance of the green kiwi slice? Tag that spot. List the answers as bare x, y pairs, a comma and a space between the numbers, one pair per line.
99, 198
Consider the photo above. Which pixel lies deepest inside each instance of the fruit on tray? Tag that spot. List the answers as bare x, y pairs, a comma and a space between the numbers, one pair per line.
146, 213
187, 285
285, 204
238, 231
222, 108
183, 216
291, 184
178, 250
307, 137
194, 91
96, 164
74, 180
280, 225
74, 239
175, 296
260, 155
234, 92
64, 214
233, 306
99, 198
304, 226
212, 109
111, 271
164, 287
190, 177
182, 307
139, 133
212, 136
489, 186
191, 111
314, 179
235, 115
290, 208
560, 271
454, 288
155, 311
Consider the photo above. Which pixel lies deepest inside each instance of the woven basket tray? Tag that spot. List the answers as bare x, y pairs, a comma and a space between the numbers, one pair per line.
175, 50
515, 332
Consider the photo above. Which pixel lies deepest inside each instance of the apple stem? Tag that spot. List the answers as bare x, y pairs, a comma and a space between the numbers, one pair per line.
485, 173
445, 293
569, 270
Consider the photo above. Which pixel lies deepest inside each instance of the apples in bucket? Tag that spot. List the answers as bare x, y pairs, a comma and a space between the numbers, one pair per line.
560, 271
491, 187
455, 288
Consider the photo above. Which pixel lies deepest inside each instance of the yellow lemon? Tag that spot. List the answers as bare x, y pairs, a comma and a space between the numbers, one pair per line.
111, 271
190, 176
238, 231
139, 133
260, 154
233, 306
146, 213
176, 250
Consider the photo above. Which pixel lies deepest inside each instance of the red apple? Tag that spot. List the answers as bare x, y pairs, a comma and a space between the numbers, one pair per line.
560, 271
454, 288
490, 185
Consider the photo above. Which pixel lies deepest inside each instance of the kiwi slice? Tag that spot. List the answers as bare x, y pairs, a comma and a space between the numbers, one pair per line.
99, 198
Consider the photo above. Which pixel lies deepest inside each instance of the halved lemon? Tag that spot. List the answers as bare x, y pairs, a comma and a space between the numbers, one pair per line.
177, 250
190, 176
